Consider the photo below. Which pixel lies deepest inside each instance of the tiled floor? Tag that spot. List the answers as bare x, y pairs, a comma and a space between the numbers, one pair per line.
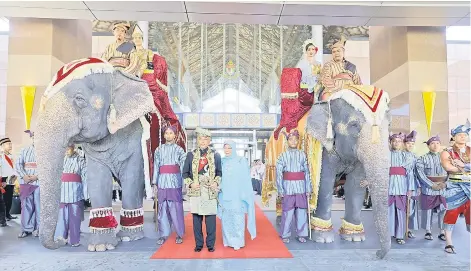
417, 254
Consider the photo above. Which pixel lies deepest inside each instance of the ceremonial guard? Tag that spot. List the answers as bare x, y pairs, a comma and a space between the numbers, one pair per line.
409, 145
294, 187
8, 175
456, 161
25, 166
338, 72
169, 159
432, 177
73, 194
120, 54
202, 174
401, 185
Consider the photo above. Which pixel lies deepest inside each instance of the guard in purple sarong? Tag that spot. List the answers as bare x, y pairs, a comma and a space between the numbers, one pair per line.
25, 166
401, 186
294, 187
167, 182
409, 145
432, 177
73, 194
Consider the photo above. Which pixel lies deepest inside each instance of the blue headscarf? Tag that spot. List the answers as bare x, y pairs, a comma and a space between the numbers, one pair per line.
236, 185
461, 129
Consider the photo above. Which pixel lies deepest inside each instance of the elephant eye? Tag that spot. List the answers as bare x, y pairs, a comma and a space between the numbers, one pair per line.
80, 101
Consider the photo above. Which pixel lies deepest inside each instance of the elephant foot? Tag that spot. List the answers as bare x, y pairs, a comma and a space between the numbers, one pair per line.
101, 241
100, 247
128, 235
132, 227
323, 236
351, 232
322, 230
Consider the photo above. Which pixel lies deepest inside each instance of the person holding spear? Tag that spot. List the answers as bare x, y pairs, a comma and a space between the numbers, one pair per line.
401, 185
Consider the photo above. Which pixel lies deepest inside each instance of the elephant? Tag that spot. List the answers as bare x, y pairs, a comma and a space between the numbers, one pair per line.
90, 103
353, 129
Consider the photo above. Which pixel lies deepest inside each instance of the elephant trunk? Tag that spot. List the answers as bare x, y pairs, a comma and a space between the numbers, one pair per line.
377, 175
51, 139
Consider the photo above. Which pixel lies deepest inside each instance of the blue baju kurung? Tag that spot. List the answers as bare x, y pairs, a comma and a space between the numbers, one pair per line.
236, 199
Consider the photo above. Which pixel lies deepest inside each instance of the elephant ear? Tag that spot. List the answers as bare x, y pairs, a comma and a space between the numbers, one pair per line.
130, 100
317, 123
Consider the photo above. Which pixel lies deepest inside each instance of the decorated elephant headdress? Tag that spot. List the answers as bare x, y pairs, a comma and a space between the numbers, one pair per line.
371, 101
130, 96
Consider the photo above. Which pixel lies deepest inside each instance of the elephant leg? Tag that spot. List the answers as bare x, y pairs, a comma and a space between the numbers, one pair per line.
102, 221
321, 222
132, 212
352, 228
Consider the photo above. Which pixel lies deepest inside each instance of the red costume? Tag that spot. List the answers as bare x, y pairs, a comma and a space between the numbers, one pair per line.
167, 116
295, 101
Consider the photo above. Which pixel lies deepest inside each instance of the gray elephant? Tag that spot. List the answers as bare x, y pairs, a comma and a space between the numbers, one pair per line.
353, 131
91, 103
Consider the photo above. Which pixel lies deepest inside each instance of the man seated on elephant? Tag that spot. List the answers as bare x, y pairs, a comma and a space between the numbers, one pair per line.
293, 184
409, 145
202, 174
432, 177
401, 185
25, 166
338, 72
169, 159
456, 161
73, 194
120, 54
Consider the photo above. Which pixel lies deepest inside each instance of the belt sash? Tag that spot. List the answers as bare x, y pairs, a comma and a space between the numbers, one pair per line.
71, 178
293, 176
31, 165
169, 169
397, 171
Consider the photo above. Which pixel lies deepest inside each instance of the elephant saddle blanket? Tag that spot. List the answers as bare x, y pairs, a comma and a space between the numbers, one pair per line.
371, 101
295, 101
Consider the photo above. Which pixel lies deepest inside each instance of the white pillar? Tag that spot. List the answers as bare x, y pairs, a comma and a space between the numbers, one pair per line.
317, 36
144, 25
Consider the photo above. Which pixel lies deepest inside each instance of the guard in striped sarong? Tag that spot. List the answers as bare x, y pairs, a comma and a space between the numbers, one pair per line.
73, 194
294, 187
25, 166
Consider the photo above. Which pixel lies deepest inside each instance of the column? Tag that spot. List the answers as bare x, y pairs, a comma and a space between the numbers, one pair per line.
37, 49
317, 36
407, 61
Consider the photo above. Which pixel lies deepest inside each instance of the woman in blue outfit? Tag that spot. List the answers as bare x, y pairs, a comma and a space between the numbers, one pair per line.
236, 198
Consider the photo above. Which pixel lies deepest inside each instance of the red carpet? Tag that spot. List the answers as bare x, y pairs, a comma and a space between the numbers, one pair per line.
267, 244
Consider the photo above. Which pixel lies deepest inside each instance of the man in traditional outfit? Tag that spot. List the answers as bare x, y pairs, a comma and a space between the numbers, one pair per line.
8, 175
338, 72
401, 185
456, 161
120, 54
409, 145
25, 166
432, 177
293, 184
73, 194
202, 174
169, 159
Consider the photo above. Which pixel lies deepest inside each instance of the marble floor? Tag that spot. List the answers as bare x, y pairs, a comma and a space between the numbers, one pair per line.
416, 254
